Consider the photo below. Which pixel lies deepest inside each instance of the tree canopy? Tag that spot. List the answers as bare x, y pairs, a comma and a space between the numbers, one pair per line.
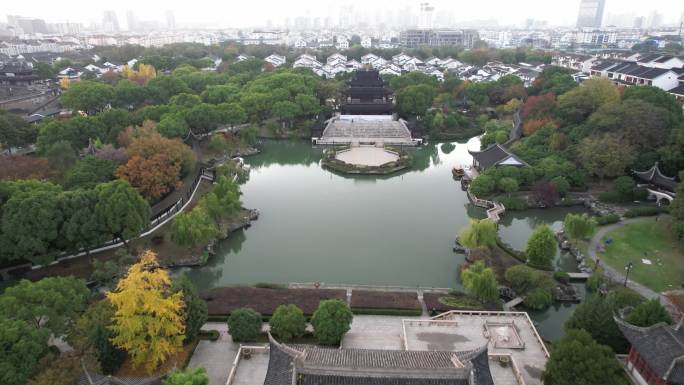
480, 281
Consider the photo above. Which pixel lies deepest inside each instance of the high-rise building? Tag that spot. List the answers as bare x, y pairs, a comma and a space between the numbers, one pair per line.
110, 23
591, 13
425, 20
413, 38
131, 21
170, 20
655, 20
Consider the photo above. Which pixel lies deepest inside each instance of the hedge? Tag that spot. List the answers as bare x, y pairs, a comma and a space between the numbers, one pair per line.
395, 312
383, 300
211, 335
223, 300
607, 219
646, 211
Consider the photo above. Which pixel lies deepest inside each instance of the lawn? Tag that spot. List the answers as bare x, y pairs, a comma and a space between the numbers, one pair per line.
649, 240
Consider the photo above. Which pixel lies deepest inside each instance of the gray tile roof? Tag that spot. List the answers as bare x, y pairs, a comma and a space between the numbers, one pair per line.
660, 346
322, 366
493, 155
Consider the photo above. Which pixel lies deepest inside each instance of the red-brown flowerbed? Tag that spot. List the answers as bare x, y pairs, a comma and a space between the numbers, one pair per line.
371, 299
223, 300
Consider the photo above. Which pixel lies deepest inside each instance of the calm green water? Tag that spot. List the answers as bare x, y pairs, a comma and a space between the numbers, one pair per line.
319, 226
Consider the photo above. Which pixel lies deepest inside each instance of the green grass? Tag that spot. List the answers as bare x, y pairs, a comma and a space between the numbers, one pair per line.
649, 239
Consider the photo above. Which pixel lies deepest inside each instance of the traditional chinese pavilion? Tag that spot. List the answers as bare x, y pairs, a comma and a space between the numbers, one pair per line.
655, 177
656, 356
367, 94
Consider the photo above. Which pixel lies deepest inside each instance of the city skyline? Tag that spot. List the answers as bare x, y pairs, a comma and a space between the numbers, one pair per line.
265, 13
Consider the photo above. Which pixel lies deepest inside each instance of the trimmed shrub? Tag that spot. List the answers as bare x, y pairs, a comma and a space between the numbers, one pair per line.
646, 211
331, 321
538, 299
288, 322
607, 219
210, 335
244, 325
561, 276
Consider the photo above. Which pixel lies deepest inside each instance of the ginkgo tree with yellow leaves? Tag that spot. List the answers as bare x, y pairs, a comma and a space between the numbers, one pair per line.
148, 316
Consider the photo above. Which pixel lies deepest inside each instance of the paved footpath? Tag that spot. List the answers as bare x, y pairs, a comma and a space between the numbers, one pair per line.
609, 271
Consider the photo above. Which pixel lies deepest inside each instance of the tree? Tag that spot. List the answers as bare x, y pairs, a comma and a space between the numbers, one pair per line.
480, 282
288, 322
415, 99
61, 156
578, 359
89, 172
185, 100
606, 155
595, 315
538, 107
232, 113
88, 96
224, 93
545, 193
195, 310
195, 376
148, 316
244, 325
483, 185
286, 111
121, 212
308, 104
637, 122
128, 94
579, 226
624, 186
508, 185
331, 321
162, 88
14, 131
538, 299
93, 330
173, 126
561, 184
479, 234
577, 104
52, 303
656, 97
150, 143
193, 228
541, 247
648, 314
24, 167
152, 177
677, 210
23, 346
80, 229
523, 278
203, 118
30, 226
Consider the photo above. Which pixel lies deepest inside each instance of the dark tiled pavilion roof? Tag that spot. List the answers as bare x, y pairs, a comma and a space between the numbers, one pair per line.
493, 155
320, 366
660, 346
656, 177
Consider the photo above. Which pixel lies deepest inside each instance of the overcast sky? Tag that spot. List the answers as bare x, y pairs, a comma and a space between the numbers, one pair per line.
240, 13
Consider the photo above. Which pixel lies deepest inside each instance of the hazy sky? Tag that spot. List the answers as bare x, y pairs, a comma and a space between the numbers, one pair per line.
240, 13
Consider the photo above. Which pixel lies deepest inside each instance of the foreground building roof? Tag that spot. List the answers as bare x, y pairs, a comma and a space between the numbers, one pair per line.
661, 346
309, 365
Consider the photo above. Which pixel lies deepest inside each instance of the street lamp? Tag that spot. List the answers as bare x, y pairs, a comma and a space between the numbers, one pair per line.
628, 268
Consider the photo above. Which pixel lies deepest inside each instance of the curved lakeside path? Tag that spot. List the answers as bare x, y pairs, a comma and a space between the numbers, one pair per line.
611, 272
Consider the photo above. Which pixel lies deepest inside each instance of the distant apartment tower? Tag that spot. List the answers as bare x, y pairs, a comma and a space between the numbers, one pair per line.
412, 38
170, 20
131, 21
110, 23
425, 20
591, 13
27, 24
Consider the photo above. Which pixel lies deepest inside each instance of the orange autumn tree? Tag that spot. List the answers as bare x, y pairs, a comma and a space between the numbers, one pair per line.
148, 317
156, 164
144, 74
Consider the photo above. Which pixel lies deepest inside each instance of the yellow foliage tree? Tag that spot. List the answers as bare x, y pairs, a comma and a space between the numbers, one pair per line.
144, 74
64, 83
148, 317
